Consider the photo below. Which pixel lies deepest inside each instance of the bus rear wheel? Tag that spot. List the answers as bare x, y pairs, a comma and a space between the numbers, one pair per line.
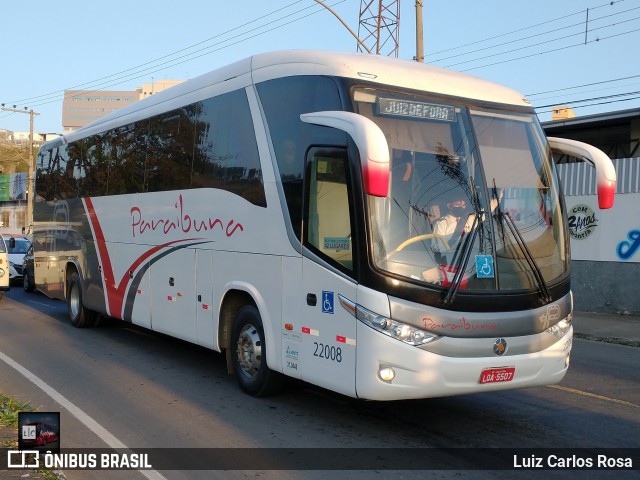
79, 315
248, 356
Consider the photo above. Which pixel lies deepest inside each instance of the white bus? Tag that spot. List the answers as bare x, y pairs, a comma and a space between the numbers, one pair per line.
380, 228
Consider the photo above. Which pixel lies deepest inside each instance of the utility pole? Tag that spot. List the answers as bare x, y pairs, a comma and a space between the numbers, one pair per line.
419, 33
30, 183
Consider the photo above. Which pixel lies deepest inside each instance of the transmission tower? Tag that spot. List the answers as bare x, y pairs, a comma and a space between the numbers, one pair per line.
379, 27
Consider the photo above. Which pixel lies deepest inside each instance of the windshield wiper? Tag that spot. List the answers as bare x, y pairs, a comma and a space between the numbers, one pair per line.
461, 257
537, 273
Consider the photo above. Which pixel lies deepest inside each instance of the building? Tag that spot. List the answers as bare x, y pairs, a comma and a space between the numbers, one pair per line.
605, 244
81, 107
148, 89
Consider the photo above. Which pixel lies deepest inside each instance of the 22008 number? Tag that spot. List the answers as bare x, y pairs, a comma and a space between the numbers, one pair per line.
327, 351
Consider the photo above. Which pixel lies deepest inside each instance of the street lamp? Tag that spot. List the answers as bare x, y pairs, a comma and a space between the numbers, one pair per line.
345, 25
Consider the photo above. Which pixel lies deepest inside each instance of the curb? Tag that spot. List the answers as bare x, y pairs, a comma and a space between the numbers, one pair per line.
614, 340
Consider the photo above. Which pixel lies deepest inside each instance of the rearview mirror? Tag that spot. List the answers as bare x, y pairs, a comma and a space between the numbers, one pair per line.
605, 172
371, 143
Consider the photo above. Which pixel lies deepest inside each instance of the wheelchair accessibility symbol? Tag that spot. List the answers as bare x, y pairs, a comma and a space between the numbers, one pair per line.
484, 266
327, 302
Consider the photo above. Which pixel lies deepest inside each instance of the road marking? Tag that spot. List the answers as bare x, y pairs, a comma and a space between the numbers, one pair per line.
76, 411
593, 395
40, 303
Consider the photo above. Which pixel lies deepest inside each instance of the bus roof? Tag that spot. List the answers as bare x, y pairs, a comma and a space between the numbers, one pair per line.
267, 66
385, 71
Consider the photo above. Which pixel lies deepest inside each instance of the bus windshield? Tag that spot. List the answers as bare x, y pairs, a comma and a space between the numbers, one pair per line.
473, 197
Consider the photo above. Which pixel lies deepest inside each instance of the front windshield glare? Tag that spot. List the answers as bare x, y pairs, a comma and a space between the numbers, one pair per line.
448, 197
529, 220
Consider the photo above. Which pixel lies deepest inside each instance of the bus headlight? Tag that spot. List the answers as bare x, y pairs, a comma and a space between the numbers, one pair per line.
400, 331
562, 327
2, 272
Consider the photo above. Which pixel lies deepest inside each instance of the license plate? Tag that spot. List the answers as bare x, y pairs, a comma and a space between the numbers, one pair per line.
494, 375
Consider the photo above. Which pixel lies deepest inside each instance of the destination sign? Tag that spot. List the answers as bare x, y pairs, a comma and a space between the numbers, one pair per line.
405, 108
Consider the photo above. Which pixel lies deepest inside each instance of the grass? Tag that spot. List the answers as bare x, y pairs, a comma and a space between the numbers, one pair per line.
9, 408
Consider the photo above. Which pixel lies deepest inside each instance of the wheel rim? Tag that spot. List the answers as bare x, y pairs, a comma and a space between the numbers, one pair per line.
74, 300
249, 350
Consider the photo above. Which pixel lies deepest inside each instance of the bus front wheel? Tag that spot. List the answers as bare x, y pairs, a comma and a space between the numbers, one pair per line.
79, 315
248, 356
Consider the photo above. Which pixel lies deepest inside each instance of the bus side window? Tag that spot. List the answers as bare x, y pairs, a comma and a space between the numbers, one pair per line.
328, 226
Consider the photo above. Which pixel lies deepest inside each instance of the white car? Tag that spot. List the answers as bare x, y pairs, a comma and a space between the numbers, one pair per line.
17, 247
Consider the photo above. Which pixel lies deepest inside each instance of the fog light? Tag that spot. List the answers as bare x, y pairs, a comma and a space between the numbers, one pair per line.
566, 361
386, 374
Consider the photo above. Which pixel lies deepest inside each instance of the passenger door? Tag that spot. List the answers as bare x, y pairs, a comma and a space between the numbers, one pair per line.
328, 330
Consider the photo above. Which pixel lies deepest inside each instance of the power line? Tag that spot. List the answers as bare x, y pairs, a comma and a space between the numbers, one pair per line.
580, 12
552, 50
89, 83
580, 34
605, 97
173, 59
594, 104
559, 98
584, 85
154, 67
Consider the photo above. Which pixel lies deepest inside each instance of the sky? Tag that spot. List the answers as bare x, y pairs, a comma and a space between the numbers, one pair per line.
576, 52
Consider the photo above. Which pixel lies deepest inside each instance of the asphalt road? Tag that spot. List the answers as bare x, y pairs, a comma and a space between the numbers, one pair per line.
144, 390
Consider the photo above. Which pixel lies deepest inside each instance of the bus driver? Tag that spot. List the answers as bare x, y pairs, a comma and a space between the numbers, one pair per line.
451, 226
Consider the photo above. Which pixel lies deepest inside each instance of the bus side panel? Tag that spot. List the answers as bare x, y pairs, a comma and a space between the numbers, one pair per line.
328, 330
173, 293
205, 313
292, 360
138, 303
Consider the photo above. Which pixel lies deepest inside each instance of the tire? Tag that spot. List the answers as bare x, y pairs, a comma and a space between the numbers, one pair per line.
248, 355
27, 283
80, 316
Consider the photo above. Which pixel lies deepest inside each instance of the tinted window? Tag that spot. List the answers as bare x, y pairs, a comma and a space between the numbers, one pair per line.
54, 174
208, 144
283, 101
226, 154
170, 146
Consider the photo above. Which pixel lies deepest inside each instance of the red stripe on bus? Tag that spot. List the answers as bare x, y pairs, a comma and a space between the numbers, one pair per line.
116, 292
